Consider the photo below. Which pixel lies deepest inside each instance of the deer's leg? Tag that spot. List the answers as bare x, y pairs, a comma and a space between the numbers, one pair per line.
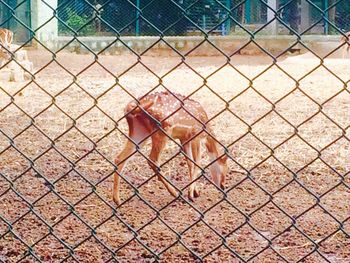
192, 149
344, 51
158, 144
120, 161
196, 152
188, 151
137, 133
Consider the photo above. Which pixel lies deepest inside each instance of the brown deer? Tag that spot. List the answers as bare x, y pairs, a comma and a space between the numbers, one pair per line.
346, 48
173, 115
6, 38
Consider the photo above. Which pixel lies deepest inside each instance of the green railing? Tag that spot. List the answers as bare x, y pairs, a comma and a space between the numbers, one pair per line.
208, 15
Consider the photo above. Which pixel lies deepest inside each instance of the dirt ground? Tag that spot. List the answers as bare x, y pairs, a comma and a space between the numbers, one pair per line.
287, 194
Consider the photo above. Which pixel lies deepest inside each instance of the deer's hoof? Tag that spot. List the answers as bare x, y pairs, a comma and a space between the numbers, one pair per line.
196, 192
117, 200
191, 198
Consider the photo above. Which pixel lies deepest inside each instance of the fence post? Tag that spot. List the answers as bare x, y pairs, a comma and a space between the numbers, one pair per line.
273, 27
41, 14
326, 26
248, 5
228, 22
137, 26
305, 15
204, 22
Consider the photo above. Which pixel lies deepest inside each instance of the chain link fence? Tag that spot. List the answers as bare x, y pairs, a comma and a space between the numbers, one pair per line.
213, 16
282, 121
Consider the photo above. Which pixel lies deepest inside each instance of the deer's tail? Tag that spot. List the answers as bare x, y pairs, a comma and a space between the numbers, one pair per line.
135, 108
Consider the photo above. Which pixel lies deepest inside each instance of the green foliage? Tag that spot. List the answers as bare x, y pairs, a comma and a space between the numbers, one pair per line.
342, 16
79, 23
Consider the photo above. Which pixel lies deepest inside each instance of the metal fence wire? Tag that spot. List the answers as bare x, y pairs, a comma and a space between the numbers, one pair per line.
284, 127
210, 16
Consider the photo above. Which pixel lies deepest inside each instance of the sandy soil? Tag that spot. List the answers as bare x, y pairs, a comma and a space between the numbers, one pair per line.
287, 196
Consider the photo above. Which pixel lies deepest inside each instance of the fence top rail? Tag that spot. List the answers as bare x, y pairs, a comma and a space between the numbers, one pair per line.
305, 38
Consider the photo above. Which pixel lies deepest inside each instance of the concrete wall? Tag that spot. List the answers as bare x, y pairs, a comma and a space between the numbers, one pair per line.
188, 45
42, 13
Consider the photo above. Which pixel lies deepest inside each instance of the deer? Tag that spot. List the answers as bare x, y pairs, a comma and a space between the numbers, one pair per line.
162, 114
345, 40
6, 38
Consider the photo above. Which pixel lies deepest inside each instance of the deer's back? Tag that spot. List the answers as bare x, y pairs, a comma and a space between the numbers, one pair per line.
170, 110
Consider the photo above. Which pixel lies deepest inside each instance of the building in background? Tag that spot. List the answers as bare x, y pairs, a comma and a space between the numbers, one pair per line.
16, 15
28, 18
211, 16
47, 19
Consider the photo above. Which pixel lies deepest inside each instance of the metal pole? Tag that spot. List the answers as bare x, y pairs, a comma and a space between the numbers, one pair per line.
305, 15
228, 22
326, 26
204, 22
248, 5
273, 26
137, 26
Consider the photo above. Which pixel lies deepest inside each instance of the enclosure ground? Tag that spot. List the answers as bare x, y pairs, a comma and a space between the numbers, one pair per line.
287, 194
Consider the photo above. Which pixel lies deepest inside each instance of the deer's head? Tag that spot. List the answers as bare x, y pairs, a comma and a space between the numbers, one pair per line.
4, 53
218, 171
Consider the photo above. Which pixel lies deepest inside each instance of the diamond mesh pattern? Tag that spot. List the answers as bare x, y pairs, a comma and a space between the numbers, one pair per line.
283, 122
